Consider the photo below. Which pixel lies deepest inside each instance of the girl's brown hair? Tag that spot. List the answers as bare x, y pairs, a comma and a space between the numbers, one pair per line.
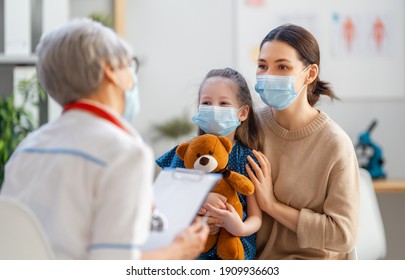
248, 133
308, 50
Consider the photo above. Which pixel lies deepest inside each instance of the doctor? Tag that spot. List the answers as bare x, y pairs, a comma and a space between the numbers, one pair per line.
88, 175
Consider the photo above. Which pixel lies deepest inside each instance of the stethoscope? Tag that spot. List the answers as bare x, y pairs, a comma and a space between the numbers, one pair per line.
159, 221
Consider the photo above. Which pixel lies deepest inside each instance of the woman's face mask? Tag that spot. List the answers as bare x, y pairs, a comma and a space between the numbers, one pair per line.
216, 120
278, 91
132, 103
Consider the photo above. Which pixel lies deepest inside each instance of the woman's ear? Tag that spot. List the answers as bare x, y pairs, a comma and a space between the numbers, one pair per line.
110, 75
313, 73
243, 113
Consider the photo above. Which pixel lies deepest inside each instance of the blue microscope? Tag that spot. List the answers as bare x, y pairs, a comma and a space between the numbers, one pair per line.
369, 154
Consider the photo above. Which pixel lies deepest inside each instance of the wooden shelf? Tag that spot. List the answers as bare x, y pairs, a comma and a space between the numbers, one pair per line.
20, 60
389, 185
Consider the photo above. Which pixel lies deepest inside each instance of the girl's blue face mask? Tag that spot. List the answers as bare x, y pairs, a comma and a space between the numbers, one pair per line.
216, 120
277, 91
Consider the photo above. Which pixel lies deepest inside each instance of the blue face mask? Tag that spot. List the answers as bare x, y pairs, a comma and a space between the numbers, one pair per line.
132, 103
277, 91
216, 120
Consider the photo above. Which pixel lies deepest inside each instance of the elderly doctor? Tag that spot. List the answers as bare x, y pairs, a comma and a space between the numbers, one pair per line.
88, 175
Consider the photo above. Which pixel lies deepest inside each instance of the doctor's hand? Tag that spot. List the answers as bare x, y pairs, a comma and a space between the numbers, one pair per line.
262, 180
190, 243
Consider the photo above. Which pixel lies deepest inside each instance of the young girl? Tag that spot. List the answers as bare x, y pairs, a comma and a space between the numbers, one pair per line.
226, 110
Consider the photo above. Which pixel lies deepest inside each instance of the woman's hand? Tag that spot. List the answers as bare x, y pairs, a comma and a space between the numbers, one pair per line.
262, 180
229, 218
264, 192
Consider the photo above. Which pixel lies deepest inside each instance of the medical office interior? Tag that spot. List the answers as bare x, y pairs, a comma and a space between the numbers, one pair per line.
177, 42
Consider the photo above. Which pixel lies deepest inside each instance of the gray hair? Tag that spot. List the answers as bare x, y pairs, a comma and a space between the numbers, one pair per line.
70, 58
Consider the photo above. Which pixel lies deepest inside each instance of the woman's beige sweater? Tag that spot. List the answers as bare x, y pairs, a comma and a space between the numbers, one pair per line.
314, 170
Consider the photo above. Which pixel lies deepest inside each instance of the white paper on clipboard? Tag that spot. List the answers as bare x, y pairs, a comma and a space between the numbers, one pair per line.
179, 194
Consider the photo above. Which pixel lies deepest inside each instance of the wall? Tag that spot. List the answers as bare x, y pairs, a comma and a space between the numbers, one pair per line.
177, 43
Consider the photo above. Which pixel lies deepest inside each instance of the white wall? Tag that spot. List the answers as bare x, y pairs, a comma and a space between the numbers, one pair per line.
177, 43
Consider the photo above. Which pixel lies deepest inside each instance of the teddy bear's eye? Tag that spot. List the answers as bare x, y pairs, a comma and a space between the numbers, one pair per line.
210, 152
198, 155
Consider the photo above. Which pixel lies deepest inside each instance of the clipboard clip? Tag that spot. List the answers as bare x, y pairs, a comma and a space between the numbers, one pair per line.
188, 174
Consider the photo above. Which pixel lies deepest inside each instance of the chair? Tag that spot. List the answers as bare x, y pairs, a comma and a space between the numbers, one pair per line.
352, 255
371, 244
21, 235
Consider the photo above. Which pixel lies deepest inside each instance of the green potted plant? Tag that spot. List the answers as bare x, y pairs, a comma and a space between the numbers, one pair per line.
173, 129
104, 19
16, 122
170, 133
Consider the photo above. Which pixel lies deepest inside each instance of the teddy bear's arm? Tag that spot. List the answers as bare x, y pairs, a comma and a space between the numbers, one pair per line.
240, 183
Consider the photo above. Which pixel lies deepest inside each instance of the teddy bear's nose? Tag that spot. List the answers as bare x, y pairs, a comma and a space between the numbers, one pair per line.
204, 161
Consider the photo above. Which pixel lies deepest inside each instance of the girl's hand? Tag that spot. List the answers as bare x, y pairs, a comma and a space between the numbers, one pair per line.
230, 219
214, 224
262, 180
214, 199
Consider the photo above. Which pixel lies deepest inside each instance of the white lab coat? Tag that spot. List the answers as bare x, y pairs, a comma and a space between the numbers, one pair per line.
89, 182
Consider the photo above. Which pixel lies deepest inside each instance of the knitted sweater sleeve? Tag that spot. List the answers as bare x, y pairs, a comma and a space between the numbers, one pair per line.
336, 228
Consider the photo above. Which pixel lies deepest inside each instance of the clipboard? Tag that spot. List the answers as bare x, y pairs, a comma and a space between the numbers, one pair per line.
179, 194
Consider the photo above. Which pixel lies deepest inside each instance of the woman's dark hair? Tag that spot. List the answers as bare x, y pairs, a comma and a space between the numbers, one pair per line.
308, 50
248, 133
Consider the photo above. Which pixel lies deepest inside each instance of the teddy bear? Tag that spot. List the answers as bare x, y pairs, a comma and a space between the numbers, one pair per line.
209, 153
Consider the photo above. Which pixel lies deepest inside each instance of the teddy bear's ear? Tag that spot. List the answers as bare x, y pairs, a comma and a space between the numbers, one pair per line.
181, 149
226, 142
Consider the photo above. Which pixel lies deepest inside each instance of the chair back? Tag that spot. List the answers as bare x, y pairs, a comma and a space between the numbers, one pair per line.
352, 255
371, 244
21, 235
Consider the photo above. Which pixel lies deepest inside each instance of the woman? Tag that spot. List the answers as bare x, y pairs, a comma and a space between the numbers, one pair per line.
307, 184
88, 175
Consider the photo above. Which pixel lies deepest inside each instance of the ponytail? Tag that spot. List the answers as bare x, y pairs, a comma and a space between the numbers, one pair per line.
318, 88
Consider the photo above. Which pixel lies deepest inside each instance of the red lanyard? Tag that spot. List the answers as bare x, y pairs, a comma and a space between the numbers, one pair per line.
99, 112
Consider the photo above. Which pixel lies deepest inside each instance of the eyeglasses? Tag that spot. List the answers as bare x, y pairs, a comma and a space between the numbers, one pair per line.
134, 64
